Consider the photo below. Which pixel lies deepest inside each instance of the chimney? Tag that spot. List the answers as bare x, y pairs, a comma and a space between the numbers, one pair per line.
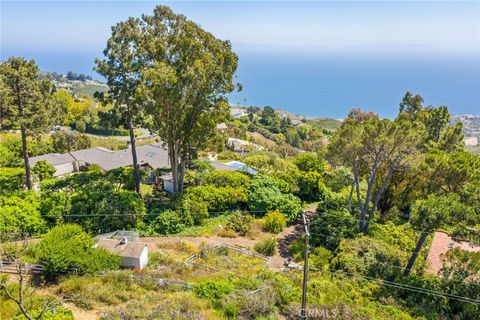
123, 241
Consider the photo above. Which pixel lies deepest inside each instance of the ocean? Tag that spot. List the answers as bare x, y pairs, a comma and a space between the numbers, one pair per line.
329, 85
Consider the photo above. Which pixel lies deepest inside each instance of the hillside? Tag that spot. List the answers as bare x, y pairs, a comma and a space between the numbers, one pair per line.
78, 84
471, 130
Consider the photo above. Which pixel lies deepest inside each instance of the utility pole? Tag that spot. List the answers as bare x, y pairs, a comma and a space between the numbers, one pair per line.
305, 266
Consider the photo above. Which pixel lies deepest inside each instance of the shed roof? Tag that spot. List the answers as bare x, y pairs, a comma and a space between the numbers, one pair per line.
128, 250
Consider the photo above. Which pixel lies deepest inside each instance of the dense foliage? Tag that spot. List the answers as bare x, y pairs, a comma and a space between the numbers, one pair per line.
68, 249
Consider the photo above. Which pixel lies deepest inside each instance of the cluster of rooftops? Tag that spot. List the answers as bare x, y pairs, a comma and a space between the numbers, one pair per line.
151, 156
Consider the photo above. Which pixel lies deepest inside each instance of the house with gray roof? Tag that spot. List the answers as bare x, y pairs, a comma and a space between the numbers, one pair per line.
152, 156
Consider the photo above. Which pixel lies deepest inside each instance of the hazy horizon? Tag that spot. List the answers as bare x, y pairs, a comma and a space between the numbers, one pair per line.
315, 58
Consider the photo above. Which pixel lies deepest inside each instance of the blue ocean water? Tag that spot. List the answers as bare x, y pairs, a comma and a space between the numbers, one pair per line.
329, 85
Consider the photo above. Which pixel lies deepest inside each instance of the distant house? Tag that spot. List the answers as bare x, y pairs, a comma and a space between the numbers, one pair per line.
238, 112
240, 166
441, 243
240, 145
133, 254
150, 156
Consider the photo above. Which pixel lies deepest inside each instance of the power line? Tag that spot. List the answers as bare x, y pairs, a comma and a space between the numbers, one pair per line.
410, 287
378, 223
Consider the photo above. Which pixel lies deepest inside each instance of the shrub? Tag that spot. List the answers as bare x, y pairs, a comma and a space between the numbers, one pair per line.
213, 290
80, 126
308, 185
67, 248
228, 155
240, 223
227, 233
330, 227
369, 257
320, 258
11, 179
267, 247
194, 212
309, 162
43, 170
219, 178
265, 195
275, 222
290, 206
296, 248
56, 313
168, 222
217, 198
19, 214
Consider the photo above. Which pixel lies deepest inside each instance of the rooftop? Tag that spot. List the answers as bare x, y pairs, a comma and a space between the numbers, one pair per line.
154, 155
129, 249
441, 243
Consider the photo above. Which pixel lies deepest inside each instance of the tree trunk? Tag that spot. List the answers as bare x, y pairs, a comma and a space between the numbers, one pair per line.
414, 255
28, 175
357, 185
181, 175
173, 153
377, 199
136, 170
350, 197
371, 182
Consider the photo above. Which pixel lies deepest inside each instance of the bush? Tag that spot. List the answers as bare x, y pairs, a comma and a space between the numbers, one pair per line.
194, 212
228, 155
94, 202
213, 290
275, 222
267, 247
80, 126
19, 214
168, 222
309, 185
219, 178
217, 198
56, 313
43, 170
369, 257
67, 248
11, 179
265, 195
320, 258
290, 206
296, 248
331, 227
240, 223
310, 162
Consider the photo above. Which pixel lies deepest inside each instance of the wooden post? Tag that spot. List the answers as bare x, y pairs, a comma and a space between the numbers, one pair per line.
305, 267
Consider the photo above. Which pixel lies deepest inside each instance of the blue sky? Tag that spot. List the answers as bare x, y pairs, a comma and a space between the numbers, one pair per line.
314, 58
449, 27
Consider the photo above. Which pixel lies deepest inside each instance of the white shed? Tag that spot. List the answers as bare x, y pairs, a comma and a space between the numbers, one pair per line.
133, 254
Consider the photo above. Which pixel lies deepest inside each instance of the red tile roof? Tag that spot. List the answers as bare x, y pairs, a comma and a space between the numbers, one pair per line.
441, 243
